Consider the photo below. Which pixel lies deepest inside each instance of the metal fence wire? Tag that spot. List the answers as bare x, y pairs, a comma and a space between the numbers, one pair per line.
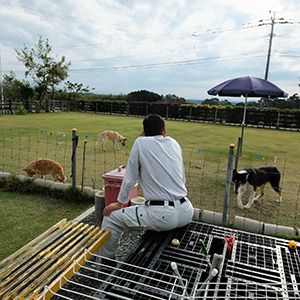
205, 174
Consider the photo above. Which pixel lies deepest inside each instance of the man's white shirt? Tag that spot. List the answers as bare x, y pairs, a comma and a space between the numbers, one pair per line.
156, 162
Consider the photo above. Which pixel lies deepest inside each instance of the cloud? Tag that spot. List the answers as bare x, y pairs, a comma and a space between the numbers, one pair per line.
175, 46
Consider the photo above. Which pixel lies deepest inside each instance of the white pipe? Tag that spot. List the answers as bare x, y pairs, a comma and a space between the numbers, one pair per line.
175, 269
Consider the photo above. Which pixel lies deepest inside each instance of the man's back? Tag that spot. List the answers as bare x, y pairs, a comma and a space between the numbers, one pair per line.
161, 171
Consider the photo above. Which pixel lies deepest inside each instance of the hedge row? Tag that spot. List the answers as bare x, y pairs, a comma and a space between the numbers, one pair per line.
267, 117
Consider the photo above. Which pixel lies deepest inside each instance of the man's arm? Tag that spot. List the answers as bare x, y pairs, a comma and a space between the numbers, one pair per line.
131, 173
111, 207
129, 180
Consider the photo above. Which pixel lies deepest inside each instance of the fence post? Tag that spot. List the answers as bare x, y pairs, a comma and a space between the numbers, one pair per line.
83, 163
227, 186
278, 119
74, 146
216, 114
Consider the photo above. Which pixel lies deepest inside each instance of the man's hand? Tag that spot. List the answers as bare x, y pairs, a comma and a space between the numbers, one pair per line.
111, 207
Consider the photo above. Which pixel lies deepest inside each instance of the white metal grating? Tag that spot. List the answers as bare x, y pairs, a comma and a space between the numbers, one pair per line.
259, 267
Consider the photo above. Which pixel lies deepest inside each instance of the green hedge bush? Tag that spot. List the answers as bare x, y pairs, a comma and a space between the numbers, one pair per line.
13, 184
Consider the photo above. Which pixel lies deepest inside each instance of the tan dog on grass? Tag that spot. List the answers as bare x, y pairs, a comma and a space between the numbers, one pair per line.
114, 136
44, 166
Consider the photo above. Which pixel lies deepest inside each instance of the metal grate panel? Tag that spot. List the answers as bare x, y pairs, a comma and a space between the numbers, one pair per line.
255, 255
253, 267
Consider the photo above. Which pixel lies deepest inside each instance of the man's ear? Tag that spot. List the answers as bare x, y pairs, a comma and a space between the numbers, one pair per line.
164, 132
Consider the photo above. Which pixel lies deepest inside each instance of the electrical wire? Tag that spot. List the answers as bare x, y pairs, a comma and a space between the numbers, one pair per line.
175, 63
167, 64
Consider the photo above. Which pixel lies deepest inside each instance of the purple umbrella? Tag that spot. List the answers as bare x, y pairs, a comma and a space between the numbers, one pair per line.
247, 86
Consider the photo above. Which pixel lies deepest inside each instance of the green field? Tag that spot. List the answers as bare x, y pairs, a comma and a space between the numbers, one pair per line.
23, 217
205, 150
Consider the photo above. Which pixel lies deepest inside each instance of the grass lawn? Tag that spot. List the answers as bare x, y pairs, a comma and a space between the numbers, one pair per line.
23, 217
205, 150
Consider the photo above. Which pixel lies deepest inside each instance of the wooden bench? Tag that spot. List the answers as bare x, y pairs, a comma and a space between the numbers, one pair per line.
25, 273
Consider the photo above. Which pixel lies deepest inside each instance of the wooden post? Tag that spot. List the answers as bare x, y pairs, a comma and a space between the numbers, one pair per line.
278, 119
216, 114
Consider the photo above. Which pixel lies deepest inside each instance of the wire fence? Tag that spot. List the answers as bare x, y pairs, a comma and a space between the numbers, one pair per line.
206, 175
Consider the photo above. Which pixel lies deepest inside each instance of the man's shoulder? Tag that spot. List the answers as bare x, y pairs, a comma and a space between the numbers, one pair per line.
156, 142
154, 139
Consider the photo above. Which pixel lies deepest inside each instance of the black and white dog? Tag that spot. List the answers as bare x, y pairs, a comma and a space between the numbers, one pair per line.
252, 179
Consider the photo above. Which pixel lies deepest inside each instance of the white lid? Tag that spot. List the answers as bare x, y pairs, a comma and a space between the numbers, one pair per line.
138, 200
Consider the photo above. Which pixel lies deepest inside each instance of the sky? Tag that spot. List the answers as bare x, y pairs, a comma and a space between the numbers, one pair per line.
181, 47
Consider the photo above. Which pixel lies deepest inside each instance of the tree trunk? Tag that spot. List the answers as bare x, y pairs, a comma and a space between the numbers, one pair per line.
42, 98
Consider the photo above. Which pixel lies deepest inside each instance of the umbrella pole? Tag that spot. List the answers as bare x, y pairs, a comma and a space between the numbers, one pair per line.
243, 126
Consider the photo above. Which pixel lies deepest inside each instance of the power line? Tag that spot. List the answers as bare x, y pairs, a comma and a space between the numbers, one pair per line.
222, 30
170, 63
174, 63
249, 25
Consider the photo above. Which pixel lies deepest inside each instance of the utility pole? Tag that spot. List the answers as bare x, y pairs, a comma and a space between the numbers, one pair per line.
2, 96
270, 46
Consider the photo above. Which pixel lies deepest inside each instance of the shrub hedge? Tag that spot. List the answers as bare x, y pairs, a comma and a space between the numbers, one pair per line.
13, 184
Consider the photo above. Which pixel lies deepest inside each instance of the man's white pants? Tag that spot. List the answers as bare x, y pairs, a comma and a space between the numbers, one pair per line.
147, 217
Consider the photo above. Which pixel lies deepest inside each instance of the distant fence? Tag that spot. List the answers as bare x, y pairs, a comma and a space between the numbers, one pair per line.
205, 175
264, 118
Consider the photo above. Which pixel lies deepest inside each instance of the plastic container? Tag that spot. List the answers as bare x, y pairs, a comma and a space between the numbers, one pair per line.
112, 185
137, 201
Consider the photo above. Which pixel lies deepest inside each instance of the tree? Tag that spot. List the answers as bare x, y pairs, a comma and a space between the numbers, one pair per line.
225, 102
280, 103
293, 101
211, 101
16, 90
143, 96
75, 89
266, 102
45, 70
173, 99
253, 104
11, 86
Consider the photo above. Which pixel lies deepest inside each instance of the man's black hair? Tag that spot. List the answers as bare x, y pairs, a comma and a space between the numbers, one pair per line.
153, 125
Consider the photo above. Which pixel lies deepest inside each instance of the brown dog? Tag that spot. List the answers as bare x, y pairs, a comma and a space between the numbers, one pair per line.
114, 136
44, 166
